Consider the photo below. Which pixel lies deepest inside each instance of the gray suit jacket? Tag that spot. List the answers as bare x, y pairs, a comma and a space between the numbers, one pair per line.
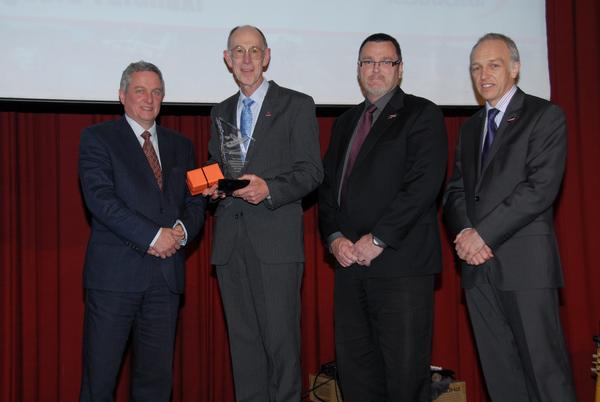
285, 153
509, 200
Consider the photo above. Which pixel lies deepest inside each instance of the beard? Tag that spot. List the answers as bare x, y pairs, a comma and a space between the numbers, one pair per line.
378, 89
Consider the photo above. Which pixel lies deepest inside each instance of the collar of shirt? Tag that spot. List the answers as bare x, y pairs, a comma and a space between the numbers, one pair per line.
139, 130
380, 103
501, 105
258, 97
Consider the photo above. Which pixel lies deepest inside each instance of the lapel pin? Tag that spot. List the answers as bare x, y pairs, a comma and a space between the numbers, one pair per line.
268, 114
512, 118
392, 116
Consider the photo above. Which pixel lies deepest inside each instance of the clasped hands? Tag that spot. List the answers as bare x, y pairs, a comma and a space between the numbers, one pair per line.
471, 248
168, 242
256, 191
363, 252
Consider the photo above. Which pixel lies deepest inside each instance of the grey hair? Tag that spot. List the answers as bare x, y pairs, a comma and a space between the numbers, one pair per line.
512, 47
137, 67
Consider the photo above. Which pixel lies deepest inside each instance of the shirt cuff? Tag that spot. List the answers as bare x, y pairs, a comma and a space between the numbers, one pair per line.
153, 242
183, 241
461, 232
378, 242
332, 237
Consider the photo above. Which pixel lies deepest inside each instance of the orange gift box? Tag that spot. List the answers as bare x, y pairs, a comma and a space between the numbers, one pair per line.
204, 177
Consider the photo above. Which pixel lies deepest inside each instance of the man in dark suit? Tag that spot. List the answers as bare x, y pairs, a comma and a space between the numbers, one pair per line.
258, 243
133, 179
508, 171
377, 210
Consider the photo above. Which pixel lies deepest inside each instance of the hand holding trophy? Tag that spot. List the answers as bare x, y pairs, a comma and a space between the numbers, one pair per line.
233, 148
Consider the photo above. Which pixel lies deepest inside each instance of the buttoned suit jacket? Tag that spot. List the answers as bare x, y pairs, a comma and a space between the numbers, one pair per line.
128, 208
393, 187
509, 200
284, 151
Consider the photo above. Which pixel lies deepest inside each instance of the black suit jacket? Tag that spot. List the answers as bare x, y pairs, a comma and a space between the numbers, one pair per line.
285, 153
509, 200
393, 186
128, 208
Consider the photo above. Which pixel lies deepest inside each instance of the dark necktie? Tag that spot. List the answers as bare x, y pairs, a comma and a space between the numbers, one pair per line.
152, 159
364, 126
490, 134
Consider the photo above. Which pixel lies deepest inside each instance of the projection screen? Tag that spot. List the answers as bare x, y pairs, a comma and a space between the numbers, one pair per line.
75, 50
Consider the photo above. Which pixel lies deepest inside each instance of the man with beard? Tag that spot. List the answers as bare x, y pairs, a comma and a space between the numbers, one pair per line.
377, 207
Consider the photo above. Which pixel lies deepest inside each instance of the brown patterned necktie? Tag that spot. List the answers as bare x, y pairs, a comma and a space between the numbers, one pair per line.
152, 158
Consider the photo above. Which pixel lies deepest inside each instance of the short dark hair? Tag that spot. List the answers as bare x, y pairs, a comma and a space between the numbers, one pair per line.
382, 37
510, 44
137, 67
262, 35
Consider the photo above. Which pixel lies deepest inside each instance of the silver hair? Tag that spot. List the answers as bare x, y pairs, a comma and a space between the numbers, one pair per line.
137, 67
512, 47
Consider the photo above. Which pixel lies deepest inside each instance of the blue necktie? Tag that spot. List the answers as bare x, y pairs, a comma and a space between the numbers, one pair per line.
490, 134
246, 123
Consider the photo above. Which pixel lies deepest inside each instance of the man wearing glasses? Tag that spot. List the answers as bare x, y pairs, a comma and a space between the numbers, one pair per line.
377, 208
258, 244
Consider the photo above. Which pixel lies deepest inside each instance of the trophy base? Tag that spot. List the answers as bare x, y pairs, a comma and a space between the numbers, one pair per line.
228, 186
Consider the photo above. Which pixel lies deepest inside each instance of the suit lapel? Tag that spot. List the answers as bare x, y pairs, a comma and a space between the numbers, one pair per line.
166, 148
231, 110
135, 153
476, 139
513, 111
263, 122
348, 131
387, 117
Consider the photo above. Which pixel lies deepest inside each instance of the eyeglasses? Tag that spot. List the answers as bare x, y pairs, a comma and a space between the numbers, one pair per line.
380, 64
239, 52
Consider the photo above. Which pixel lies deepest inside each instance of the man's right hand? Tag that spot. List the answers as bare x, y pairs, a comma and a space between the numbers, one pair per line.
471, 248
481, 256
343, 251
212, 192
167, 244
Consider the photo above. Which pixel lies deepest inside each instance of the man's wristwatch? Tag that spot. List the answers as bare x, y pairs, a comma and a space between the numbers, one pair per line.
378, 242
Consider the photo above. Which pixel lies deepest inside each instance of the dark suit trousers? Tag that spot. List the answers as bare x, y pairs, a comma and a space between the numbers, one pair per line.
110, 317
383, 331
520, 344
262, 307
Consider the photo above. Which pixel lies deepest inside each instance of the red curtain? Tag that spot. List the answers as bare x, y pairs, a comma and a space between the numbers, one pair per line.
44, 229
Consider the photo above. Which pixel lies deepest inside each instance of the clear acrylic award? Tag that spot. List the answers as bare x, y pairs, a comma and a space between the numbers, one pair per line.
233, 147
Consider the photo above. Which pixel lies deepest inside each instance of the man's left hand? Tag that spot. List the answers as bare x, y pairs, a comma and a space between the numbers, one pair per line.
471, 247
256, 191
366, 251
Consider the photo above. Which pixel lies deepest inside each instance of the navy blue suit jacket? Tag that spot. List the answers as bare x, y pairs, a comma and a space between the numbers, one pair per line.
128, 208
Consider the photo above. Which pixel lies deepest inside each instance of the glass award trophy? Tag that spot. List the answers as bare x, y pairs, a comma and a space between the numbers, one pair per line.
233, 153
